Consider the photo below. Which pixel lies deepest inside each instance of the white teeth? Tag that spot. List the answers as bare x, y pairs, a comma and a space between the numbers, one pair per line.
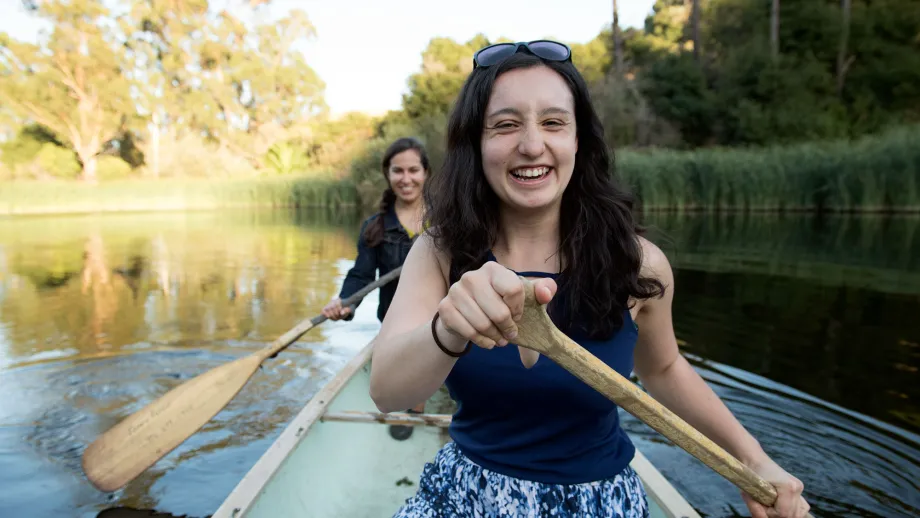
531, 173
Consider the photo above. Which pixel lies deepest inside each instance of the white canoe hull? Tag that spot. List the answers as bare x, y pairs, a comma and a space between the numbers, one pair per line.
320, 468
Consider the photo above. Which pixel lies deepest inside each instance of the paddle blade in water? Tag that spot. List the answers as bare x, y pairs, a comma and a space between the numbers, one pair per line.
140, 440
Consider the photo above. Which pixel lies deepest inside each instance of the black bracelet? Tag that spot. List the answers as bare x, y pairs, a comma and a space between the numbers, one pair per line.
447, 351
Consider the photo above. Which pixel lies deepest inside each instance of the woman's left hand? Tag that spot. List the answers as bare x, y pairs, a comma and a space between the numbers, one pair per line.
789, 501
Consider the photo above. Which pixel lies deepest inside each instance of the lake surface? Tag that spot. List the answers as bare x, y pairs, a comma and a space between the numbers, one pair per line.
807, 327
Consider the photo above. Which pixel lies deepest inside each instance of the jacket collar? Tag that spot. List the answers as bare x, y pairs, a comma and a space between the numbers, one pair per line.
390, 221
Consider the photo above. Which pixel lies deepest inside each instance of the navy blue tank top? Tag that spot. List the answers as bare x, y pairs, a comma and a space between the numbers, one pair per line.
543, 423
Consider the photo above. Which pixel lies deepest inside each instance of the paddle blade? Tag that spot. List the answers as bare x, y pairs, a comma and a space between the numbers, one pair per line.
137, 442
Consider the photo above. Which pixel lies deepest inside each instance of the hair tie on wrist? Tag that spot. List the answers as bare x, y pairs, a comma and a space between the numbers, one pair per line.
447, 351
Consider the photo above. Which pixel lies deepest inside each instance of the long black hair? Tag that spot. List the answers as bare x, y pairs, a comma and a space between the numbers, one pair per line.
598, 233
373, 233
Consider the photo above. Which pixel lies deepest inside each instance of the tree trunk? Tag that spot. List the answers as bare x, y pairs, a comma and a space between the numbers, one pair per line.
695, 20
155, 144
842, 62
774, 29
89, 165
617, 42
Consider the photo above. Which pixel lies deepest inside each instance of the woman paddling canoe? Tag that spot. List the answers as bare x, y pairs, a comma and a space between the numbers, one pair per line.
526, 190
386, 237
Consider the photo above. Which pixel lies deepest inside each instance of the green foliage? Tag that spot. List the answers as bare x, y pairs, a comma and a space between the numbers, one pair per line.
23, 149
71, 82
112, 168
333, 143
56, 161
764, 102
445, 65
676, 89
185, 89
284, 158
593, 59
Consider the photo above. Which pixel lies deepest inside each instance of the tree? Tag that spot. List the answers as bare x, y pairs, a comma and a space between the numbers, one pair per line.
617, 42
695, 22
445, 65
244, 87
843, 62
774, 29
70, 82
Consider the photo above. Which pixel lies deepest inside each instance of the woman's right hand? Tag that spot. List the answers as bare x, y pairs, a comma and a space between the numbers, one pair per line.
334, 310
485, 305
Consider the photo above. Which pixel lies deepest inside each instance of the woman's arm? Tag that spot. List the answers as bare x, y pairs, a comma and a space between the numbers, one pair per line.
407, 367
671, 380
362, 273
483, 307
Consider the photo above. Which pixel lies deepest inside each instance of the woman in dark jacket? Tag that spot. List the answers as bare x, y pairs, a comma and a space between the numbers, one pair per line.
386, 237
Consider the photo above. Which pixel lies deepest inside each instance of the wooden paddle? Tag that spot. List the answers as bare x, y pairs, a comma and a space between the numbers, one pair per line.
537, 332
137, 442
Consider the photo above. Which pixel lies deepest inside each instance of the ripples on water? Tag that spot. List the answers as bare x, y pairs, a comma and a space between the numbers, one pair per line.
77, 356
852, 465
54, 409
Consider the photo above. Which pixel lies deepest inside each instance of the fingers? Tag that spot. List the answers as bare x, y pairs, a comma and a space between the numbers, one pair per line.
507, 285
474, 324
788, 496
334, 310
799, 508
456, 322
757, 509
544, 290
804, 508
485, 305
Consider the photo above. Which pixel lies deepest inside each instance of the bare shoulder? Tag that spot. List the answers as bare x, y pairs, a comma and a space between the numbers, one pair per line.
428, 249
654, 263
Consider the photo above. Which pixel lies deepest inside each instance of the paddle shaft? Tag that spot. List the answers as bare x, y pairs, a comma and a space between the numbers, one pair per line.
138, 441
536, 331
631, 398
285, 340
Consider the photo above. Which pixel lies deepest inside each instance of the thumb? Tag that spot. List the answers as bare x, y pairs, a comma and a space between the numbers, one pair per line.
544, 290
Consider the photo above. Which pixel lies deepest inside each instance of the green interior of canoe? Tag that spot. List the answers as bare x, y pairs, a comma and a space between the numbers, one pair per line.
348, 469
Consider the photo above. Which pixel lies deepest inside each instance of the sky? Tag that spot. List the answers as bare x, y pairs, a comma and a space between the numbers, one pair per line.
365, 50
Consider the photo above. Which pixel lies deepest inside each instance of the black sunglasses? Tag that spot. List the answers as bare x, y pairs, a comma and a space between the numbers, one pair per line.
544, 49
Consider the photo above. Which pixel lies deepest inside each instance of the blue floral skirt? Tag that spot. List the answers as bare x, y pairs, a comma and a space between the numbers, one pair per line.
452, 485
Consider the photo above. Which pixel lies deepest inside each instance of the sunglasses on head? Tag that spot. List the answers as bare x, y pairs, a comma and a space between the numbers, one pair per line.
544, 49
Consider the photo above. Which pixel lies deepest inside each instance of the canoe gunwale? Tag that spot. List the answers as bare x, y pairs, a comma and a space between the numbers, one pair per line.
245, 494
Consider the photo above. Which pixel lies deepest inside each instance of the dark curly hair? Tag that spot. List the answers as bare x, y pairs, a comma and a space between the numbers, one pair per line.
598, 233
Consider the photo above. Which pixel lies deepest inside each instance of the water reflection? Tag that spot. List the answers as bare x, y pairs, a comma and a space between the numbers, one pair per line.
98, 284
880, 253
826, 306
805, 326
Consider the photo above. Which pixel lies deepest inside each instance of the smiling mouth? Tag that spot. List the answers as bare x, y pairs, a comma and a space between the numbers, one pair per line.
530, 174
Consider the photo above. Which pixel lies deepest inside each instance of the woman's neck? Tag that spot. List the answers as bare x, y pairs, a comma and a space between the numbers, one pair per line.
529, 241
402, 206
410, 214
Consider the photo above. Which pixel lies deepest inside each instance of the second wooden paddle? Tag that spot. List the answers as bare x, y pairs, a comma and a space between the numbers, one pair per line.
141, 439
537, 332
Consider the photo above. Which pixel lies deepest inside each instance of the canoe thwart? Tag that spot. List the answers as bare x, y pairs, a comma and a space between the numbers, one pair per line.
398, 418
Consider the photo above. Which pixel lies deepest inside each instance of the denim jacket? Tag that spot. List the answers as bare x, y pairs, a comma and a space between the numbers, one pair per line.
390, 253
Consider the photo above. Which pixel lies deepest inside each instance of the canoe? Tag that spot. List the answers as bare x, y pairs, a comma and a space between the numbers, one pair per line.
337, 459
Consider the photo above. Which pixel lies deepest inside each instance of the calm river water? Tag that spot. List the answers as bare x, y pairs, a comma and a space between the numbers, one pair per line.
809, 328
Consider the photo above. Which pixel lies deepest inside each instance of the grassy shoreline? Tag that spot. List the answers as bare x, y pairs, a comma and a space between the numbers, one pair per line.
871, 175
164, 195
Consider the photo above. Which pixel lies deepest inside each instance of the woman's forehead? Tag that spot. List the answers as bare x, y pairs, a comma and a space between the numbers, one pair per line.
536, 89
